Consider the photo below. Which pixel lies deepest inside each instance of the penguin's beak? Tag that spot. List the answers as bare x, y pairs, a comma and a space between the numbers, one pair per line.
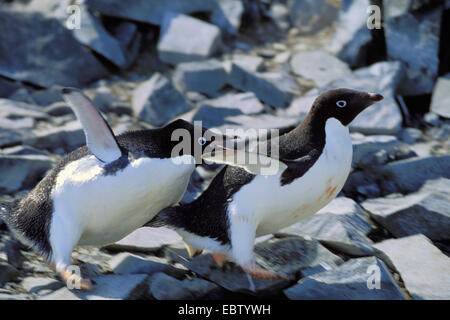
225, 142
375, 97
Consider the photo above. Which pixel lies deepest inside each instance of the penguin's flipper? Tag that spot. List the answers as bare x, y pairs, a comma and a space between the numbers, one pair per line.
254, 163
99, 137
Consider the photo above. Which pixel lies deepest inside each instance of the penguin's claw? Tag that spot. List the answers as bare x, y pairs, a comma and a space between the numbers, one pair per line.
75, 281
220, 258
263, 274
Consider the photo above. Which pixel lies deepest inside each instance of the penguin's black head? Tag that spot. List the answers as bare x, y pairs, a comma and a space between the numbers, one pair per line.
343, 104
193, 139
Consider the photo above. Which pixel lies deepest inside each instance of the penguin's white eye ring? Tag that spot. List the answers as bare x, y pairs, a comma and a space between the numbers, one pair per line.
201, 141
341, 103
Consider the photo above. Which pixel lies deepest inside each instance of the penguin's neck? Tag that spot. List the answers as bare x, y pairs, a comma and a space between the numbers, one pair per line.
309, 135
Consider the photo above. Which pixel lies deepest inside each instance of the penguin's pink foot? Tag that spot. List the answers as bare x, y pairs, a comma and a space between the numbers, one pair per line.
259, 273
75, 281
220, 258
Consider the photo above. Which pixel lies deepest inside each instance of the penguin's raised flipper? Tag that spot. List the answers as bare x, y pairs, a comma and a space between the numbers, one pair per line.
99, 137
254, 163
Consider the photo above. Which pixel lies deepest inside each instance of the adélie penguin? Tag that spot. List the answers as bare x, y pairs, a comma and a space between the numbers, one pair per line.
101, 192
313, 162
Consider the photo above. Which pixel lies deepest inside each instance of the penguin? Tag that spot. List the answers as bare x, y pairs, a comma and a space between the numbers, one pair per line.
241, 203
103, 191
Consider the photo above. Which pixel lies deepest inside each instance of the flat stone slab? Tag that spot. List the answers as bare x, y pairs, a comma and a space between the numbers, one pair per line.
127, 263
357, 279
176, 41
341, 225
164, 287
287, 256
440, 101
426, 211
22, 171
409, 175
66, 61
220, 111
204, 76
319, 66
157, 101
276, 89
108, 287
424, 269
147, 239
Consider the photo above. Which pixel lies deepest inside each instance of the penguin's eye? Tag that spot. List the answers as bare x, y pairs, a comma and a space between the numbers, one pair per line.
201, 141
341, 103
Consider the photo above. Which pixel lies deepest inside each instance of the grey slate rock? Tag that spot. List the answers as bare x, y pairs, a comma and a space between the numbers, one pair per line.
352, 35
108, 287
424, 269
426, 211
58, 109
248, 123
93, 35
246, 102
127, 263
14, 255
304, 15
227, 15
319, 66
147, 240
279, 13
149, 11
276, 89
351, 281
176, 43
205, 76
8, 273
22, 171
7, 87
164, 287
68, 136
248, 62
394, 8
383, 77
377, 150
23, 150
157, 101
422, 57
47, 96
14, 109
410, 135
287, 256
341, 225
440, 101
216, 112
410, 174
67, 62
41, 286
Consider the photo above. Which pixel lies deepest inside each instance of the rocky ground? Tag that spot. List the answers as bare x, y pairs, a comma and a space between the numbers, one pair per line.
241, 64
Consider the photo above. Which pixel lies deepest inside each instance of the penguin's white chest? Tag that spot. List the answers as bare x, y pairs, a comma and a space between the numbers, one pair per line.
105, 208
273, 207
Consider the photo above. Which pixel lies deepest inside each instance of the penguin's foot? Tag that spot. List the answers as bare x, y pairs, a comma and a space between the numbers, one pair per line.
259, 273
75, 281
220, 258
